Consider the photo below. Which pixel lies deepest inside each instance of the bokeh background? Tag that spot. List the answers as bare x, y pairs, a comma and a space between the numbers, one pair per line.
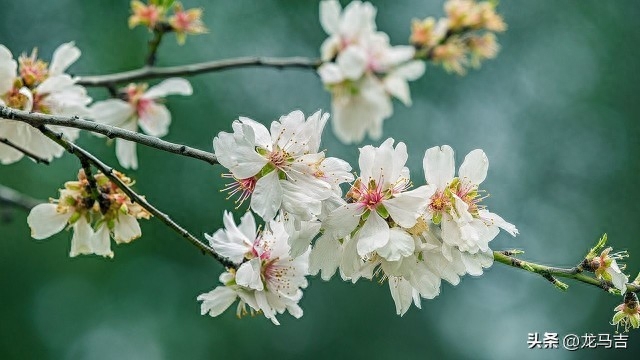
557, 113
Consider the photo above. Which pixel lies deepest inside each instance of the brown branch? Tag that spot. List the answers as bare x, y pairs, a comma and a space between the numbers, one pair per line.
37, 120
152, 72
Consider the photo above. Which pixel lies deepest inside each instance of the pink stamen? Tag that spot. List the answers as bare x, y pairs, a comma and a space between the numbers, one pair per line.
243, 186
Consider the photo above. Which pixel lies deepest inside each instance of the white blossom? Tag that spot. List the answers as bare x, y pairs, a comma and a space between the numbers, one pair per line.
31, 84
267, 278
141, 108
362, 70
456, 204
281, 168
378, 198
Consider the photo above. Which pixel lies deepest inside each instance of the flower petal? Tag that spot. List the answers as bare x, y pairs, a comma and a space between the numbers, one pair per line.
439, 166
126, 229
398, 87
330, 73
410, 71
401, 292
325, 257
496, 220
343, 220
8, 68
400, 245
127, 154
352, 62
155, 119
248, 275
217, 301
373, 235
171, 86
474, 167
405, 208
113, 112
65, 55
45, 220
81, 239
330, 16
101, 242
267, 196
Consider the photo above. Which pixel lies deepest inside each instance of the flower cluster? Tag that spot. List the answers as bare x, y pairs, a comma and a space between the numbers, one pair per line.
466, 36
362, 70
413, 238
136, 107
30, 84
266, 278
154, 16
96, 209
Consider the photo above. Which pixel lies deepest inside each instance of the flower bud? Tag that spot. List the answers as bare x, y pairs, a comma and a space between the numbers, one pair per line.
185, 22
147, 15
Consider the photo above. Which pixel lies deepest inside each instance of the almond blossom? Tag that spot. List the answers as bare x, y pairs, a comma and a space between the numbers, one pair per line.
281, 168
379, 207
267, 278
456, 204
628, 313
362, 70
78, 208
605, 267
30, 84
140, 107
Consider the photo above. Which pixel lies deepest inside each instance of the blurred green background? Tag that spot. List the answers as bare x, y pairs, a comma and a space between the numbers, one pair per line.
556, 112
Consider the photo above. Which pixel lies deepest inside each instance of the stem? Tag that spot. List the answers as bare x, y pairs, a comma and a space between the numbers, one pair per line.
28, 153
153, 46
549, 272
37, 120
85, 156
11, 197
93, 186
152, 72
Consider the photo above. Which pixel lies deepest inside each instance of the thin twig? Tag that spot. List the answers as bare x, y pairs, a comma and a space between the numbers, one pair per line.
28, 153
153, 46
84, 155
549, 272
151, 72
36, 120
12, 197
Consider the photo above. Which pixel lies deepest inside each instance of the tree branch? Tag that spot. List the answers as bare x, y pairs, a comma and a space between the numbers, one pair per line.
28, 153
549, 272
152, 72
37, 119
11, 197
85, 156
